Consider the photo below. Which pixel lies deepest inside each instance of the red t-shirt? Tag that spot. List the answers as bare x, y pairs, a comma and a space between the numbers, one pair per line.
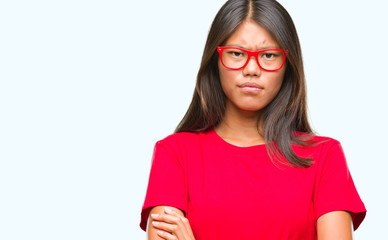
230, 192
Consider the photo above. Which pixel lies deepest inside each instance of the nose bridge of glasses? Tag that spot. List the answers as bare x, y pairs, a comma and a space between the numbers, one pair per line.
253, 56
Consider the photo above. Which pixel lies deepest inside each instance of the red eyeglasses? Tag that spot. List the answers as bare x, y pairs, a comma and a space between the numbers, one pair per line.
237, 58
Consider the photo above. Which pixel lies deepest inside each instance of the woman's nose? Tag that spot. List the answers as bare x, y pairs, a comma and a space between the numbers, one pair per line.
252, 67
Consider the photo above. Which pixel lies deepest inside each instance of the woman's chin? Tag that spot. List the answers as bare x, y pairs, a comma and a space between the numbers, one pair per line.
248, 108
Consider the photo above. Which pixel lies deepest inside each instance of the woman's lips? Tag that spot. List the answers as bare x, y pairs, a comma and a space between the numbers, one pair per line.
251, 87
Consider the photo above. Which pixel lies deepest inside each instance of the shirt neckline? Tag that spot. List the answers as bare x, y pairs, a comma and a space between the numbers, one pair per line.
255, 149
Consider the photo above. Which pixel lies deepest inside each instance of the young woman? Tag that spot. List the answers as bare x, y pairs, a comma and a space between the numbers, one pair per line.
244, 162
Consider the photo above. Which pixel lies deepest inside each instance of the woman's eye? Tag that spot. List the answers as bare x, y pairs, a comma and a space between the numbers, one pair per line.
269, 55
236, 54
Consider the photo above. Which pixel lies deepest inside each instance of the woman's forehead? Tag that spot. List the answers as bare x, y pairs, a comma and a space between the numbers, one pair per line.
250, 35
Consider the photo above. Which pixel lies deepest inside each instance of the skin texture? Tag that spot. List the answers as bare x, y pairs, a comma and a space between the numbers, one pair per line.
335, 225
239, 127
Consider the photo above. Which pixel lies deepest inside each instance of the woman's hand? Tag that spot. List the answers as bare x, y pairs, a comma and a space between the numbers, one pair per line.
172, 226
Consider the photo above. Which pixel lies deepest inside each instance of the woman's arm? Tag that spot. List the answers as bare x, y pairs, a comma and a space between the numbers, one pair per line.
168, 223
335, 225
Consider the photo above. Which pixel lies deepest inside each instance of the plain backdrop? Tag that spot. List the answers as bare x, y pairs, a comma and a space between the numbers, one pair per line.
88, 87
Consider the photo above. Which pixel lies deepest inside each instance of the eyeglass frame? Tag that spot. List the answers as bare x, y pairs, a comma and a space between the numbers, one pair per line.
255, 54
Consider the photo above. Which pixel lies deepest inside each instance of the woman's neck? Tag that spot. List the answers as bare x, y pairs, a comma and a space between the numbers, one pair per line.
240, 127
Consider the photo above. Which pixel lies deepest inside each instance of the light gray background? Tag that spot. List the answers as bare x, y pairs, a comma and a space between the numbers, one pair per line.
88, 87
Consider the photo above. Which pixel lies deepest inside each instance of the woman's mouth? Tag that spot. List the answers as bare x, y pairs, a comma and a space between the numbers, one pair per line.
251, 87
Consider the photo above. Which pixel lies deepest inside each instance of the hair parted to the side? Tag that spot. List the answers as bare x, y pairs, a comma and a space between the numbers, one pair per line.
287, 113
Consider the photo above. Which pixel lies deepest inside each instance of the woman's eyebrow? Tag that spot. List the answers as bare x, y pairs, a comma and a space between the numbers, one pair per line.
242, 47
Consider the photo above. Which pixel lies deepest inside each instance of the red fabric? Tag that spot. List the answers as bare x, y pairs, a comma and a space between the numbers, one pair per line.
230, 192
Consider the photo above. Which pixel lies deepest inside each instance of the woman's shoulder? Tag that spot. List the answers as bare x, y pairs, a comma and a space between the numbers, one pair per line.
184, 138
180, 136
181, 144
315, 138
317, 144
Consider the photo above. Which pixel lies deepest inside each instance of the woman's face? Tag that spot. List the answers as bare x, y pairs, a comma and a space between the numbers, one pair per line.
250, 88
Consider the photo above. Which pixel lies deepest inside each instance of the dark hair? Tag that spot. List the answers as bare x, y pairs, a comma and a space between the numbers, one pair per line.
287, 113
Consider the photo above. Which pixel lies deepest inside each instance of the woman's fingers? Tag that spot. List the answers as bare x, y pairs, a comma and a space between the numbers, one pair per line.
165, 218
164, 226
187, 225
172, 225
183, 220
166, 235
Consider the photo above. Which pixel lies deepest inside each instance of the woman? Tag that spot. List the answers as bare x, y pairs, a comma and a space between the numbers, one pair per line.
244, 162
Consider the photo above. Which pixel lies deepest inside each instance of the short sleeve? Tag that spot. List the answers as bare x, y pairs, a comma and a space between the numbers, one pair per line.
166, 184
335, 190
